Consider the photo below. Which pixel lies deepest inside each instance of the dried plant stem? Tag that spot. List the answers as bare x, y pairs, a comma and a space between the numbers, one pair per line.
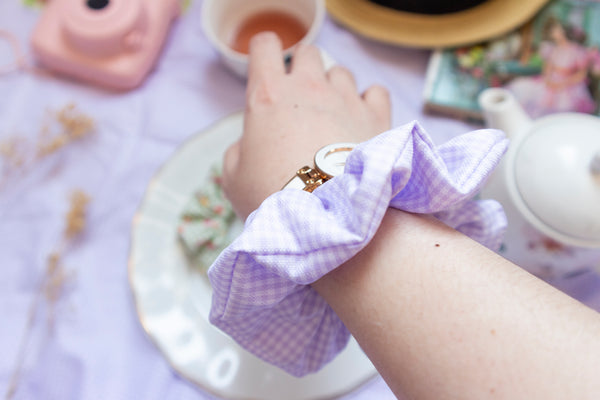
52, 286
22, 353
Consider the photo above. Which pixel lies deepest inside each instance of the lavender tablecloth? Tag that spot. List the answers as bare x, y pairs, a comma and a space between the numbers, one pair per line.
87, 343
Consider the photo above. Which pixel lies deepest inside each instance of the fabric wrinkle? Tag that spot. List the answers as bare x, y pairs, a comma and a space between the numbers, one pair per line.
296, 237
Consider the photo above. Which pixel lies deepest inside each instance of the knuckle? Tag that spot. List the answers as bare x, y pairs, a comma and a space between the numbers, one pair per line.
263, 93
339, 70
316, 86
230, 162
379, 90
305, 48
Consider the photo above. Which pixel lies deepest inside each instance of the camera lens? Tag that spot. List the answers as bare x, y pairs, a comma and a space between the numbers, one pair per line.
97, 4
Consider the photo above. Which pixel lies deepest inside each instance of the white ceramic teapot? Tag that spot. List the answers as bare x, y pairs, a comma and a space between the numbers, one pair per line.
549, 185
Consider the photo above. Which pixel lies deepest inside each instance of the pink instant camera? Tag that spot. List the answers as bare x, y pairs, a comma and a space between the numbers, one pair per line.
112, 43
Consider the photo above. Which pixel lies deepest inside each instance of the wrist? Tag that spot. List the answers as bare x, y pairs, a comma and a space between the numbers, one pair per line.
246, 192
397, 226
295, 238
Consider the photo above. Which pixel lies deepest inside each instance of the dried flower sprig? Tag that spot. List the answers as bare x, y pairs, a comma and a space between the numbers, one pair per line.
61, 128
76, 216
54, 280
73, 126
14, 152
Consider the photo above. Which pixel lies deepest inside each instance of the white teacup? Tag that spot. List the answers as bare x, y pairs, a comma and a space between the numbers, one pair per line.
222, 20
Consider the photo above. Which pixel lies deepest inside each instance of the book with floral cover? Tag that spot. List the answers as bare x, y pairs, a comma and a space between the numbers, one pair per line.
551, 64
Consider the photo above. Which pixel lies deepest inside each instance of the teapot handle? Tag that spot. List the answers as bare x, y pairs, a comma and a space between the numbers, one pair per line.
501, 110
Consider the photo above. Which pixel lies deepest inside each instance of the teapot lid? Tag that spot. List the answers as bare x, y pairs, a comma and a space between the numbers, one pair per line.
554, 177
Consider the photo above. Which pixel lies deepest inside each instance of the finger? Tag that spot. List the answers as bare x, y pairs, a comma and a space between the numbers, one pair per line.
266, 58
307, 60
378, 100
342, 79
230, 164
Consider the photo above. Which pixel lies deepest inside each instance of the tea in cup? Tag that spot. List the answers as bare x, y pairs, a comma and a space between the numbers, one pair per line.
230, 24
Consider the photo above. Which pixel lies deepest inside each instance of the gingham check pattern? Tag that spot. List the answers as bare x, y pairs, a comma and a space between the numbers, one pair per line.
261, 292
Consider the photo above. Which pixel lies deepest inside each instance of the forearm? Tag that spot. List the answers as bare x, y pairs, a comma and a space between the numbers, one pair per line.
442, 317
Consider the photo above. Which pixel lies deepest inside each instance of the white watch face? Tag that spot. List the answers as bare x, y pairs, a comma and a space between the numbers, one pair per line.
331, 159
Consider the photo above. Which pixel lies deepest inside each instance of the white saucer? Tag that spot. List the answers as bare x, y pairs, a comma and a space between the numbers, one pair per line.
173, 299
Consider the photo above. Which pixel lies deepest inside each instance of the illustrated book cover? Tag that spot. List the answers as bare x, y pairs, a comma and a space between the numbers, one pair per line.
551, 64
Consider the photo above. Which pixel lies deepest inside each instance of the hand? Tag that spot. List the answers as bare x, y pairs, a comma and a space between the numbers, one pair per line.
290, 115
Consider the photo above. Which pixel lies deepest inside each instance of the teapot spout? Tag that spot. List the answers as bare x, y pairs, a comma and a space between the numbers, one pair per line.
501, 110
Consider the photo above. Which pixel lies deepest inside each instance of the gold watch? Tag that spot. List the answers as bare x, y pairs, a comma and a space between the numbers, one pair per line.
329, 162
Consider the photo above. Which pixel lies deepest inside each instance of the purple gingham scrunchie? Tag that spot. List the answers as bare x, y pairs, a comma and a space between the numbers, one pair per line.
261, 292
